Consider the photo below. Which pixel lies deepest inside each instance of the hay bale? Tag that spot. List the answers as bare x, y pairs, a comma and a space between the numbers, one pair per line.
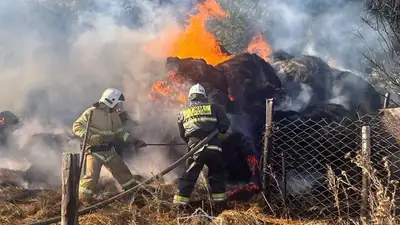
197, 71
250, 79
355, 93
308, 70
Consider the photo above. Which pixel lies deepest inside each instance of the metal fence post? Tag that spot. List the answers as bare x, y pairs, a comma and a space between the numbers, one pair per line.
366, 159
266, 152
70, 178
386, 101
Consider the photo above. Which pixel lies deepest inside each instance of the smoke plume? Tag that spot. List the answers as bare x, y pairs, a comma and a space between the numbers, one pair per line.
57, 57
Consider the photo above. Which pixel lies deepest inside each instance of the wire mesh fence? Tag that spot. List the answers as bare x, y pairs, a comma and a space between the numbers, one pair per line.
312, 168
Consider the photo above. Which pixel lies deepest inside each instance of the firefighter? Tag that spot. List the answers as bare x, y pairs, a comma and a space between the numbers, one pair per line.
195, 122
8, 123
105, 129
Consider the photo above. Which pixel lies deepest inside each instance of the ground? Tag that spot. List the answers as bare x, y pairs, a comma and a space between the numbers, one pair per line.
22, 206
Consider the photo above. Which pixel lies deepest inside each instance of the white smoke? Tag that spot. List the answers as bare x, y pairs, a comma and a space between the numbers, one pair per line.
70, 52
298, 101
327, 29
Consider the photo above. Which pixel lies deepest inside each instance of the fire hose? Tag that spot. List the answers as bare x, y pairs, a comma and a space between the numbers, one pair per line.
172, 144
146, 182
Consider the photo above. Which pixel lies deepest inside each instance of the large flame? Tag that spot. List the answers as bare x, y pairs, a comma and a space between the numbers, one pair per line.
194, 41
260, 47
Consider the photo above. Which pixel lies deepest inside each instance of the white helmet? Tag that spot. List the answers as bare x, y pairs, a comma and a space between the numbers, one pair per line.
197, 89
111, 97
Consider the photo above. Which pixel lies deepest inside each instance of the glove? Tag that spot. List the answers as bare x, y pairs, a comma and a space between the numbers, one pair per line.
140, 144
95, 139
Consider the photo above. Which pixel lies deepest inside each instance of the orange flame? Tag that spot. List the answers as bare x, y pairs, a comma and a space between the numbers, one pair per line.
168, 91
260, 47
196, 41
229, 95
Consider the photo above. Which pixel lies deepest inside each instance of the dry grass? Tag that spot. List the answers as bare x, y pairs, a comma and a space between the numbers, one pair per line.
381, 193
21, 206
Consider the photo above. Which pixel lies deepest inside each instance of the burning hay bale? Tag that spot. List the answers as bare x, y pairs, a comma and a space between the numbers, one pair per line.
197, 71
305, 69
356, 94
328, 112
281, 55
250, 79
309, 70
327, 85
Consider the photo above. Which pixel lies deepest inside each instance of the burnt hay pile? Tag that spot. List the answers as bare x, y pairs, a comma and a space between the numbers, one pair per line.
304, 86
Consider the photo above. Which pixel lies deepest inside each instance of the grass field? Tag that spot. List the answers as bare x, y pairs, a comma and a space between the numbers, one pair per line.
21, 206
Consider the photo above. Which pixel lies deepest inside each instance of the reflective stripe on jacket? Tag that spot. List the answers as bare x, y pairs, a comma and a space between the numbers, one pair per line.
200, 118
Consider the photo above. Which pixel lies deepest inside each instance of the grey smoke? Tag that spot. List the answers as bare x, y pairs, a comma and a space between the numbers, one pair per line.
68, 54
327, 29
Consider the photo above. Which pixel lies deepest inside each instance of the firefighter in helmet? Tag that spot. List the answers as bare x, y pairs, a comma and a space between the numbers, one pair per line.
196, 121
105, 129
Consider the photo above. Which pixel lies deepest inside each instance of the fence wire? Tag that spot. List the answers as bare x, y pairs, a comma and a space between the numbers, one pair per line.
312, 172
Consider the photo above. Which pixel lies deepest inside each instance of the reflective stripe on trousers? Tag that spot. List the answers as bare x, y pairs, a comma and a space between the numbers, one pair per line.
180, 200
219, 197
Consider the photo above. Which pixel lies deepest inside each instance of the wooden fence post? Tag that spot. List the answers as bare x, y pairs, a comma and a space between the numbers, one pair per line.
386, 101
265, 179
284, 191
70, 180
366, 159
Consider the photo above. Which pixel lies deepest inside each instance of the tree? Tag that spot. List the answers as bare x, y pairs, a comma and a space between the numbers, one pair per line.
384, 17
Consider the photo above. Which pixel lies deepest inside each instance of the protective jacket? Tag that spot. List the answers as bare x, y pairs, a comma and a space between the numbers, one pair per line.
199, 118
103, 123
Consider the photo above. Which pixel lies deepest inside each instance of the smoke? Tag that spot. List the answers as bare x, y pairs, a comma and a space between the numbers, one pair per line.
297, 99
57, 57
327, 29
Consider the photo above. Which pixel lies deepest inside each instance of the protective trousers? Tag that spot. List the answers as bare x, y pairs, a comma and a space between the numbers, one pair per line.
113, 163
211, 156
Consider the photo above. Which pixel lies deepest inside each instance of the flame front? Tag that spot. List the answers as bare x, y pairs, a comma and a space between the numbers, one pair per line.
194, 41
169, 91
260, 47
